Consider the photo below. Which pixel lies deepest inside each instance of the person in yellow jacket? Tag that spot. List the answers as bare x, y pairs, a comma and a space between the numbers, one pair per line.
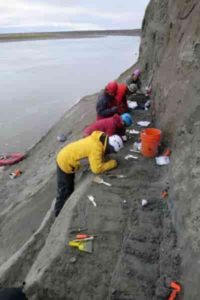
93, 147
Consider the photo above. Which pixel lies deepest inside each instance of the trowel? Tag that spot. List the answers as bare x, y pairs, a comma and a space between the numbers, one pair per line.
99, 180
82, 245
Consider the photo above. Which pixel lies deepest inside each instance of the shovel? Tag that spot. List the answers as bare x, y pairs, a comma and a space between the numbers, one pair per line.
99, 180
85, 246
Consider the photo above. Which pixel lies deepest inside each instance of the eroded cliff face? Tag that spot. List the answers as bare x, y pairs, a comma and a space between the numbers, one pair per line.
135, 249
170, 50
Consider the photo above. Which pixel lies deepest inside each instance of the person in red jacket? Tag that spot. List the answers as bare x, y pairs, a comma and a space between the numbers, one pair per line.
121, 100
106, 104
110, 126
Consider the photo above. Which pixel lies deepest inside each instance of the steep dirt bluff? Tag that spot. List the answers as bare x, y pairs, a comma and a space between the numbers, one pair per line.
137, 250
170, 49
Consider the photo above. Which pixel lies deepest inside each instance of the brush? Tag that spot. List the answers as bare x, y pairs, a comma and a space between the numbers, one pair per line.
99, 180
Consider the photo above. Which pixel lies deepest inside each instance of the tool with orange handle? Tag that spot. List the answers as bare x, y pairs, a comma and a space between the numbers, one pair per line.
167, 152
176, 290
15, 174
164, 194
82, 236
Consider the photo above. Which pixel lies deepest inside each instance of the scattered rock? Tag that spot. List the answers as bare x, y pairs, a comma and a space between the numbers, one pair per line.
73, 260
61, 138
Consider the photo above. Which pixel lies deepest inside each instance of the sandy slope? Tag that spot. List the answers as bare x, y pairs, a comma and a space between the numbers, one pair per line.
25, 200
134, 250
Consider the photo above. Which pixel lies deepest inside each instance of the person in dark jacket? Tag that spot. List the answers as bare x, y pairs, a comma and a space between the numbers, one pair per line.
106, 103
113, 125
12, 294
133, 82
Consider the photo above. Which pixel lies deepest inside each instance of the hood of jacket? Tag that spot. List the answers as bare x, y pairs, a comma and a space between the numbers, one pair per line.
96, 135
121, 92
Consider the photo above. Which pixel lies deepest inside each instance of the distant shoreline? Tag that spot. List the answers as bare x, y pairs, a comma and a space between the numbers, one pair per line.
13, 37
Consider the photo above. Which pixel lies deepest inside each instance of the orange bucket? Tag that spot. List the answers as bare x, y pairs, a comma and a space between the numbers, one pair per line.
150, 139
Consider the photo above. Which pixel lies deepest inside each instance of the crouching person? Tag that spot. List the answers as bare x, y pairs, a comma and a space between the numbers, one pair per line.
106, 104
113, 125
94, 148
133, 82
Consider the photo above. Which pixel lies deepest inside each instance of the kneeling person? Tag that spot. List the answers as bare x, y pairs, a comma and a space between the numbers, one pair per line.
106, 104
133, 82
113, 125
94, 148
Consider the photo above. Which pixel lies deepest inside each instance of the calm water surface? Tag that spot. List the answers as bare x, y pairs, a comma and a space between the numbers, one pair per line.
40, 80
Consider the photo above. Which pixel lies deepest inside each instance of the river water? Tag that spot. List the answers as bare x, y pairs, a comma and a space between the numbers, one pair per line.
40, 80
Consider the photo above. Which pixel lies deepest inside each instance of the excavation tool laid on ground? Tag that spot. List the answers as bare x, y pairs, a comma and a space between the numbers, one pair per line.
176, 288
84, 245
99, 180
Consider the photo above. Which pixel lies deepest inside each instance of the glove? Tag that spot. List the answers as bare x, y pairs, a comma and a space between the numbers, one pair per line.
114, 163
